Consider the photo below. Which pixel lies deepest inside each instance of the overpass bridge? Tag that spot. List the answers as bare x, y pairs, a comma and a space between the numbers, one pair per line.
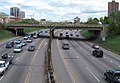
96, 29
57, 26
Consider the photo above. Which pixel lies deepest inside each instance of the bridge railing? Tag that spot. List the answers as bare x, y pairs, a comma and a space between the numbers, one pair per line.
57, 24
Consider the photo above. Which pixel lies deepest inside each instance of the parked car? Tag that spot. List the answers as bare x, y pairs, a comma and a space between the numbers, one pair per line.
113, 76
65, 46
9, 44
31, 48
95, 46
17, 49
98, 53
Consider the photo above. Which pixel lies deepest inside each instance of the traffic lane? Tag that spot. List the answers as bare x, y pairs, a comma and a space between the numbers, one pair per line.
60, 69
108, 55
96, 65
80, 71
19, 69
36, 72
112, 62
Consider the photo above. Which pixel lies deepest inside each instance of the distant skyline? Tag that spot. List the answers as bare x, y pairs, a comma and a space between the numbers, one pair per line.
57, 10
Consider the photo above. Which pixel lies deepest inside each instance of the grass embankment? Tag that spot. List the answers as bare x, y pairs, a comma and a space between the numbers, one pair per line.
4, 35
111, 43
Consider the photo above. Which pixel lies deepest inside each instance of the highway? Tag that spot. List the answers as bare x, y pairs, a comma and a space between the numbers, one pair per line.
27, 67
76, 65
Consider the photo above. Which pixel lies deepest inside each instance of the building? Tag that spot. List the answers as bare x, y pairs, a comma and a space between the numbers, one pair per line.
3, 17
14, 11
113, 7
76, 20
22, 14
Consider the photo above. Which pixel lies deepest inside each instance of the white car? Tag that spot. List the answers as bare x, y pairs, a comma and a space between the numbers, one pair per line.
17, 49
3, 66
29, 40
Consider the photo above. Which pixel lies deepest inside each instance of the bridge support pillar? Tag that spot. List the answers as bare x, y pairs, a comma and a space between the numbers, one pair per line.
104, 31
16, 32
19, 32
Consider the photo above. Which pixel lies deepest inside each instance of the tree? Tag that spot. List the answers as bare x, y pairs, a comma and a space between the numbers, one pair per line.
114, 23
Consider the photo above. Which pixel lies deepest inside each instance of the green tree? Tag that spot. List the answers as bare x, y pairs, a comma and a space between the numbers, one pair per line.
114, 23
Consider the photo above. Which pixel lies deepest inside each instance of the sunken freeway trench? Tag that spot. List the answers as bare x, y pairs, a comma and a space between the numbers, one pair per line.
78, 65
27, 67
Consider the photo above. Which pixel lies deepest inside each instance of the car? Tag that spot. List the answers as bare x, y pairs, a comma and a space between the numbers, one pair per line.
67, 36
25, 37
35, 36
29, 40
95, 46
7, 57
9, 44
17, 41
97, 53
17, 49
31, 48
113, 76
65, 46
23, 43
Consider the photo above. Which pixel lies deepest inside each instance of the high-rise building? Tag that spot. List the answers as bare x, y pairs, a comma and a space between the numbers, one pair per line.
22, 14
14, 11
76, 20
113, 7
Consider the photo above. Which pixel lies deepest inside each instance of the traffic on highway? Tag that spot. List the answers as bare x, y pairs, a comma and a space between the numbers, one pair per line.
74, 61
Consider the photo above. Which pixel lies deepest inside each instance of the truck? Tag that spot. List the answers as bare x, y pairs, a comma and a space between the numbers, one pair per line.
5, 61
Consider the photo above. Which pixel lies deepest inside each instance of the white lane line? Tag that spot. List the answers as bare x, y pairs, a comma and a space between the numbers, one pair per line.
104, 57
1, 77
92, 58
17, 58
111, 61
93, 74
119, 66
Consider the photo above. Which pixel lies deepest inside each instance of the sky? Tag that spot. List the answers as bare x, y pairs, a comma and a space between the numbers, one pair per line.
58, 10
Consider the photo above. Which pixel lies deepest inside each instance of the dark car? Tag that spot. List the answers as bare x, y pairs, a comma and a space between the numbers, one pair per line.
7, 57
31, 48
9, 44
113, 76
98, 53
65, 46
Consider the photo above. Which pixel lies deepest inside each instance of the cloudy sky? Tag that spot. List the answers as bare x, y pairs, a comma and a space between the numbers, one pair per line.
58, 10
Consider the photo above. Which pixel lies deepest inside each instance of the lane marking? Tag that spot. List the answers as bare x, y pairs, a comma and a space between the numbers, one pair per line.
111, 61
67, 66
93, 74
17, 58
30, 68
119, 66
2, 77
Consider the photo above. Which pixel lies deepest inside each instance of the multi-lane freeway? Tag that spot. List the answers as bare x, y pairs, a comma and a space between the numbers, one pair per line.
75, 65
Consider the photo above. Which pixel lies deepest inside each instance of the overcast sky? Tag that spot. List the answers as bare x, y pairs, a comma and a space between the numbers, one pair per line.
58, 10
